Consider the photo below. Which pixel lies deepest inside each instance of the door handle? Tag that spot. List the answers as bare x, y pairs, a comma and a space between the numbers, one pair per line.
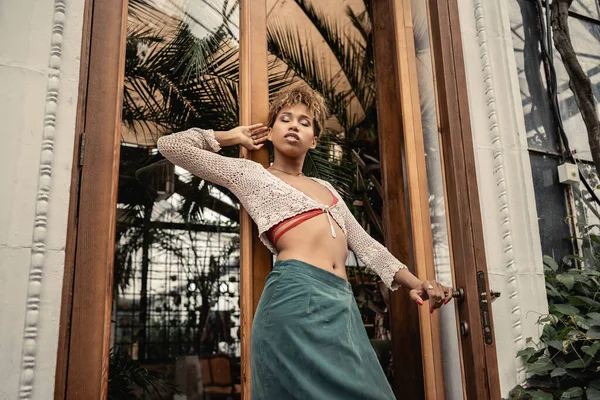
494, 295
459, 295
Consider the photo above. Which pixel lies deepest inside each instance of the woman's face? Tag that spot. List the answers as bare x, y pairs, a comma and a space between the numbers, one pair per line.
293, 132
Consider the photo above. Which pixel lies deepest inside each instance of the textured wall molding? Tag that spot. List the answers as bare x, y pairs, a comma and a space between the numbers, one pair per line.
503, 208
38, 250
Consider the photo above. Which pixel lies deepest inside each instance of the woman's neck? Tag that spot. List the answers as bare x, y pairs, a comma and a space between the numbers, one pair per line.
288, 165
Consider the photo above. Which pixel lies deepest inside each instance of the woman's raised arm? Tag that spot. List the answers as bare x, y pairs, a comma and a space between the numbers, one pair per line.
195, 150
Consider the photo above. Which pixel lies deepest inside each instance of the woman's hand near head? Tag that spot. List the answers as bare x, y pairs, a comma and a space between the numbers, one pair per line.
252, 137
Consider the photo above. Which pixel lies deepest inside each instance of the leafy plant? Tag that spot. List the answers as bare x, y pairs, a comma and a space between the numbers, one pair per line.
565, 363
128, 380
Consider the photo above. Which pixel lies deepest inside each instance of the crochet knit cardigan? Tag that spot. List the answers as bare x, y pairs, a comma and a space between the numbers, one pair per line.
268, 199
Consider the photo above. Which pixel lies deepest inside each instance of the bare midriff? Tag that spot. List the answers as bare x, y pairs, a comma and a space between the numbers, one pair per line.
310, 238
312, 242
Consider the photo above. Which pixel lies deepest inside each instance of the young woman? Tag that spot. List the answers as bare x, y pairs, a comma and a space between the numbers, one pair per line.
308, 340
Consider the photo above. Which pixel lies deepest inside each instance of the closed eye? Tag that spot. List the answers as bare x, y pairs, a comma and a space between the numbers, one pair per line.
304, 121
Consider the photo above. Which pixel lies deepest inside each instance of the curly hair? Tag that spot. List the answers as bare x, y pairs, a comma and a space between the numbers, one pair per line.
300, 95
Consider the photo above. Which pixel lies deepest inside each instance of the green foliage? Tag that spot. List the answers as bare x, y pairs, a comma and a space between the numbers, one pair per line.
128, 380
565, 363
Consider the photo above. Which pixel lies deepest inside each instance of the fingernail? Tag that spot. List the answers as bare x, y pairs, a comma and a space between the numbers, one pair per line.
431, 310
420, 302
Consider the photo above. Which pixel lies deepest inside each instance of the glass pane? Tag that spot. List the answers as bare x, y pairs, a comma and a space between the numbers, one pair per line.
328, 46
539, 123
437, 206
551, 205
588, 216
532, 80
176, 306
586, 41
589, 8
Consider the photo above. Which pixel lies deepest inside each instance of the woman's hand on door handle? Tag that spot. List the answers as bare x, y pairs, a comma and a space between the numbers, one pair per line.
432, 291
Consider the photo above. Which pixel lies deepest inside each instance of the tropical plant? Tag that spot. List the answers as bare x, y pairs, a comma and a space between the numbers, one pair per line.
565, 362
128, 380
173, 80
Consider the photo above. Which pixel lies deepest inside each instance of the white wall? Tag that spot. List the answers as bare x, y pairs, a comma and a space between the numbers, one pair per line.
40, 45
506, 193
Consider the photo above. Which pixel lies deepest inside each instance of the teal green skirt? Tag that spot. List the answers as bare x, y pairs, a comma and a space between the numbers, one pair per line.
309, 342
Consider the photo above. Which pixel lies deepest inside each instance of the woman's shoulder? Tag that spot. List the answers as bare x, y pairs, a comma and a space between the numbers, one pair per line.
251, 170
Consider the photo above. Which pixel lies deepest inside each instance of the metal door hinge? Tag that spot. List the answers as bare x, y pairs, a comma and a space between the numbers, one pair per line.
81, 148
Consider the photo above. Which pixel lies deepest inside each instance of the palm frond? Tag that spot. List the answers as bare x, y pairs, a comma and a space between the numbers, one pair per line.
280, 76
189, 57
327, 162
349, 49
180, 80
125, 375
142, 10
196, 196
421, 33
287, 45
362, 23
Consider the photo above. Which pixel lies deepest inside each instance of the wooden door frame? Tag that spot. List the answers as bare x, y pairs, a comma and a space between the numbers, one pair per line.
60, 379
82, 359
479, 359
84, 333
255, 258
416, 338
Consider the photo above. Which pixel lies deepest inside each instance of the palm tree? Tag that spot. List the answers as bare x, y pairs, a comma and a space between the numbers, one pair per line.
177, 80
350, 92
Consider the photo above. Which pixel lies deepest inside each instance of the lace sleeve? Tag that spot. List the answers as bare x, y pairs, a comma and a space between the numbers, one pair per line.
194, 150
373, 254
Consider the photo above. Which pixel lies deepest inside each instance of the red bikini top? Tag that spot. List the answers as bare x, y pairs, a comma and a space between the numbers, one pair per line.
276, 231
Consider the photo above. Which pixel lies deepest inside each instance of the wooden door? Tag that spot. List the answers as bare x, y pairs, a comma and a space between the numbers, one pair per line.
82, 370
474, 313
406, 176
